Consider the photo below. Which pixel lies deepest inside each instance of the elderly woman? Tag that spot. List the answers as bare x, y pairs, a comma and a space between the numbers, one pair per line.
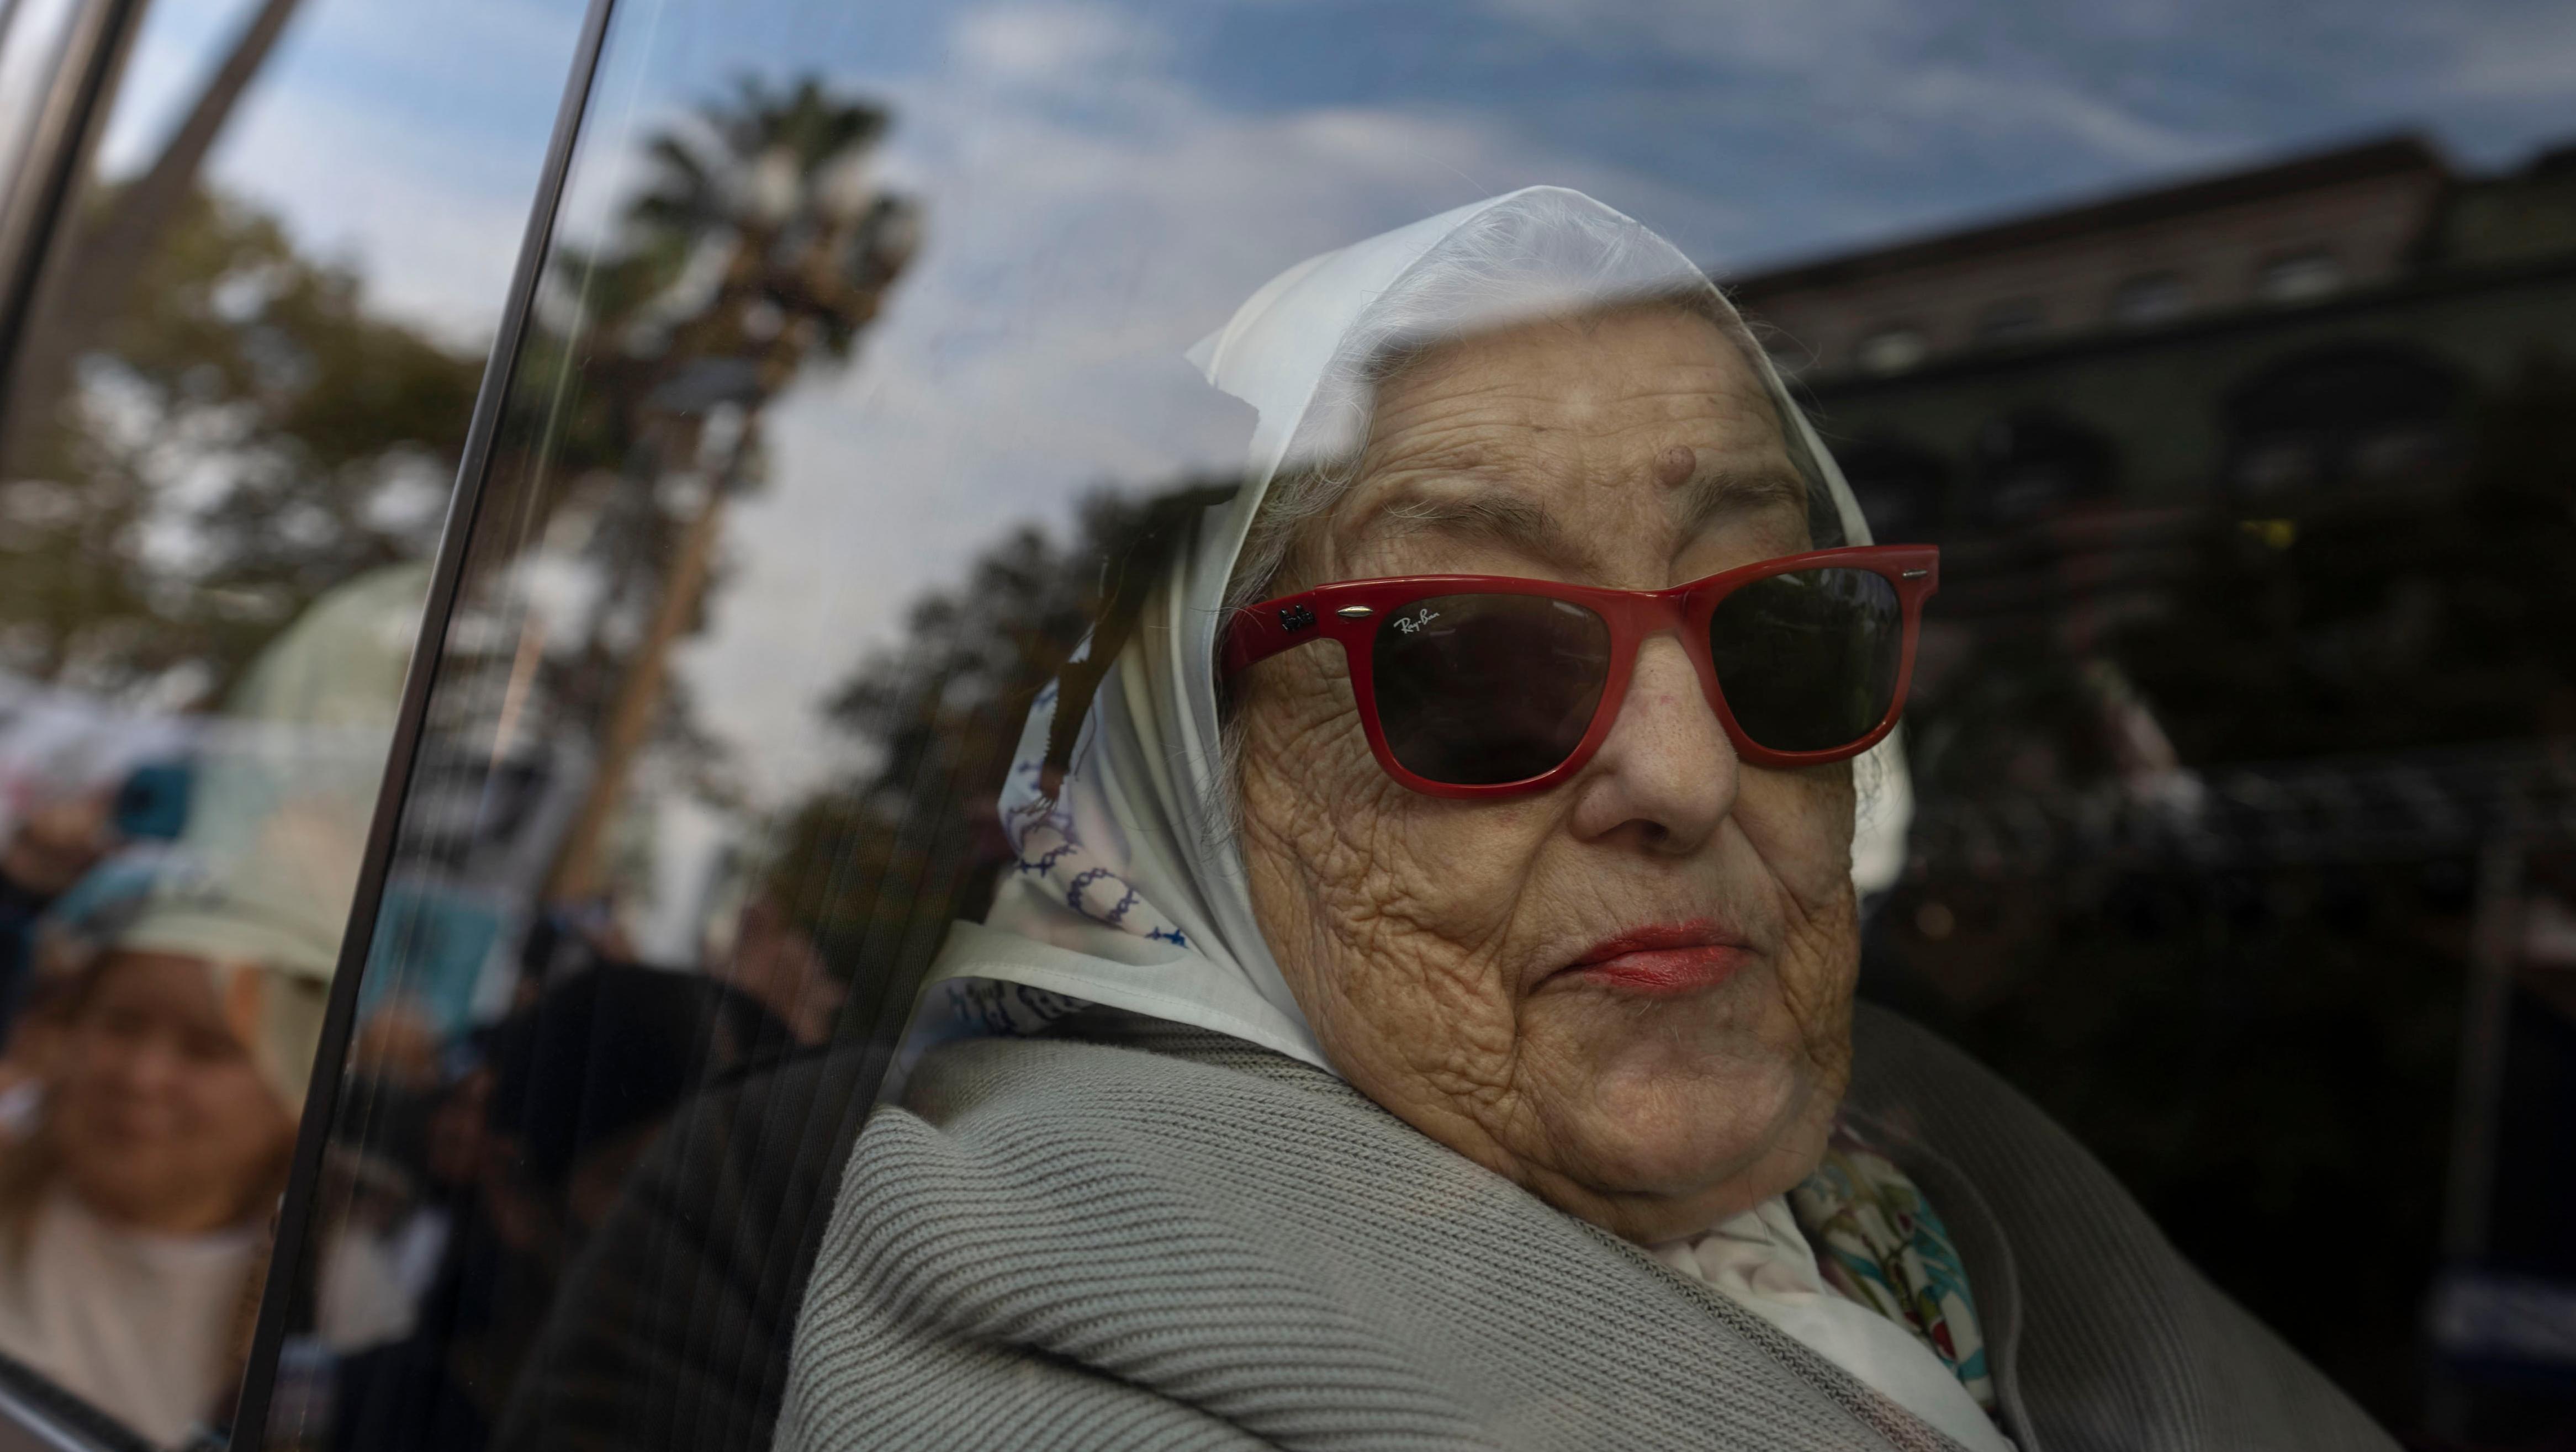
134, 1213
1422, 1011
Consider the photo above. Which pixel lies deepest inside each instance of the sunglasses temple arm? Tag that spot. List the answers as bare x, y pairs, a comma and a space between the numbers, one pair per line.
1256, 633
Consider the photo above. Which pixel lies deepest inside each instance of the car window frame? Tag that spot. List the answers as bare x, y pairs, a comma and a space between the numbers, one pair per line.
289, 1267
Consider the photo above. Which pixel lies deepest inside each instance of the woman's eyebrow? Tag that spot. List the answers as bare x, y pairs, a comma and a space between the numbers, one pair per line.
1720, 494
1495, 515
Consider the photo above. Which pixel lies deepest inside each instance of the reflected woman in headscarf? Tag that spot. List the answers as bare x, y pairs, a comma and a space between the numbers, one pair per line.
1420, 1012
134, 1212
183, 1018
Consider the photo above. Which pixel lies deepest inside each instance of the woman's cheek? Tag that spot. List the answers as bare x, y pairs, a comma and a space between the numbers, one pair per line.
1294, 790
1382, 903
1800, 824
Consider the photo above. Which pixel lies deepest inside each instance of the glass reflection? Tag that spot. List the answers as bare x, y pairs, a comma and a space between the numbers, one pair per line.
168, 1019
228, 435
846, 379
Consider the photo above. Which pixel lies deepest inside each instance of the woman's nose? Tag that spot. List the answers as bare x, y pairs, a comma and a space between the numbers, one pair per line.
146, 1068
1667, 774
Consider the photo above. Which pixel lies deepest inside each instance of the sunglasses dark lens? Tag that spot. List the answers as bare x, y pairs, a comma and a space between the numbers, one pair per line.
1477, 690
1808, 659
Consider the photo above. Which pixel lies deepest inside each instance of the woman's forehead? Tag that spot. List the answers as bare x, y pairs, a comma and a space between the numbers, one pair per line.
1648, 343
172, 983
1547, 436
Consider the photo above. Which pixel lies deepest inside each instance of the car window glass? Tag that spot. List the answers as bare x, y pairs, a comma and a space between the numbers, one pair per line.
854, 394
229, 430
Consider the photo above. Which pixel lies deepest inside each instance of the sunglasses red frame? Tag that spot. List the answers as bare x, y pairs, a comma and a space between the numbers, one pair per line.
1352, 611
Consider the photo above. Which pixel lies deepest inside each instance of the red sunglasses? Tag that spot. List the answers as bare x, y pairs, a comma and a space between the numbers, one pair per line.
1492, 685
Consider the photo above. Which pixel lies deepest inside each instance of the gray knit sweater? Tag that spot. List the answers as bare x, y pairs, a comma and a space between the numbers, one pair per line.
1172, 1240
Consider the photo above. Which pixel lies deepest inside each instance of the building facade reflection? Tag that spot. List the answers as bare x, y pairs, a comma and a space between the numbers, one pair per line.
2240, 669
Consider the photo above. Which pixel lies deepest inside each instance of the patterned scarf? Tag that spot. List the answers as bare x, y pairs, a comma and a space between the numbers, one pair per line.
1878, 1242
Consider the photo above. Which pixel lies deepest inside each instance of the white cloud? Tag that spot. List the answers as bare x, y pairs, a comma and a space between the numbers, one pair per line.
2523, 57
1806, 37
435, 239
1043, 42
1872, 72
1979, 105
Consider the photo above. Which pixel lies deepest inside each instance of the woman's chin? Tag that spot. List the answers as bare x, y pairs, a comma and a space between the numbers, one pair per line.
1720, 1137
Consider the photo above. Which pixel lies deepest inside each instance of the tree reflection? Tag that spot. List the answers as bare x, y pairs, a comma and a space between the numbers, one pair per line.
874, 867
244, 435
758, 249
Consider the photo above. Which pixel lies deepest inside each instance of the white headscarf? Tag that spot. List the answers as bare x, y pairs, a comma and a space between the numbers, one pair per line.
1129, 888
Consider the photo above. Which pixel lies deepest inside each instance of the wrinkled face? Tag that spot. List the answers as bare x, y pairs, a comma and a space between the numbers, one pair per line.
1632, 992
162, 1116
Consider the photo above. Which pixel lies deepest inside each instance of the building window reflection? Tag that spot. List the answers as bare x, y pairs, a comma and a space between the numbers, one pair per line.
2301, 276
2150, 297
1893, 350
2012, 320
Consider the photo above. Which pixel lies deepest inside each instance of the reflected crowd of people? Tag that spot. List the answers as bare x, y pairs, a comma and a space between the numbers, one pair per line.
177, 890
486, 1164
172, 895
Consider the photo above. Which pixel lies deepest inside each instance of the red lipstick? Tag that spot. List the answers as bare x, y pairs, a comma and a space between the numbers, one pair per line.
1665, 960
